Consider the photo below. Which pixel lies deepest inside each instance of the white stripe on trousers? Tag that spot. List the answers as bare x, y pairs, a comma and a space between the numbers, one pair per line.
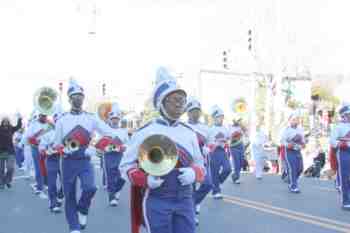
148, 228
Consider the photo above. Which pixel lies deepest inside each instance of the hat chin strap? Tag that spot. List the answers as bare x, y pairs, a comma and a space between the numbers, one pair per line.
166, 115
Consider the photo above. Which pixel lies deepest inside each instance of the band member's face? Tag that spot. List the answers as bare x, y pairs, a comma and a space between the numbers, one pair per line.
174, 104
294, 121
194, 114
219, 120
76, 101
346, 117
42, 118
115, 121
124, 124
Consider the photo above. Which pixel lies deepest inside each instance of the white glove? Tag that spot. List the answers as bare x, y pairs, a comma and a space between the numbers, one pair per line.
66, 151
297, 147
90, 151
187, 177
206, 150
154, 182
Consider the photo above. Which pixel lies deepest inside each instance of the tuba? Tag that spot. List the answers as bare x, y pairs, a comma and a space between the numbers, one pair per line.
44, 100
103, 109
157, 155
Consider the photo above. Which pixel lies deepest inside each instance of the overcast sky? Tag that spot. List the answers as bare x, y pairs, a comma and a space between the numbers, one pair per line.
44, 41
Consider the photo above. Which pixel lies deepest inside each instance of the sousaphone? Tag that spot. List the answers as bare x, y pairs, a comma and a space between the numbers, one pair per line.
45, 99
103, 109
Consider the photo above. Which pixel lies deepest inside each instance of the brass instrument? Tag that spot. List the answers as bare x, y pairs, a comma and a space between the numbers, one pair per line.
103, 109
240, 106
112, 148
72, 145
44, 100
157, 155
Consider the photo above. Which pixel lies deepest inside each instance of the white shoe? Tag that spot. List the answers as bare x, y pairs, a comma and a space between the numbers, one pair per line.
33, 186
237, 181
113, 202
198, 209
56, 209
295, 190
196, 220
117, 195
75, 231
82, 220
42, 195
59, 200
217, 196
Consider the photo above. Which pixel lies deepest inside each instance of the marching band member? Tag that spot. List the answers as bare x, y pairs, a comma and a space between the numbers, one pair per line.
219, 153
237, 149
112, 148
27, 151
194, 111
17, 137
72, 138
340, 156
53, 166
292, 141
167, 200
33, 136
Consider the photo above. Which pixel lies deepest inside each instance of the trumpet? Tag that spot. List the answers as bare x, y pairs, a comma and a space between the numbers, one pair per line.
157, 155
72, 145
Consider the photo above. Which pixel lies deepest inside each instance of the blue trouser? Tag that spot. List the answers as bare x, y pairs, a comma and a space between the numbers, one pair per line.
294, 162
337, 180
237, 153
343, 157
111, 168
19, 156
218, 160
204, 188
71, 170
39, 179
102, 166
53, 172
169, 208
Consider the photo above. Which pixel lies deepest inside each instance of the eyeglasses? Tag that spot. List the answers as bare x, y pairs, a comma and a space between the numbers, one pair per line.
175, 100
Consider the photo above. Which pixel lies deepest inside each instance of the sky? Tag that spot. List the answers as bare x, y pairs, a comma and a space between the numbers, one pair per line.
44, 42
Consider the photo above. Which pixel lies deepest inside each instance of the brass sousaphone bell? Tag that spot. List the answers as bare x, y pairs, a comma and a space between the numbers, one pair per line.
157, 155
45, 99
103, 109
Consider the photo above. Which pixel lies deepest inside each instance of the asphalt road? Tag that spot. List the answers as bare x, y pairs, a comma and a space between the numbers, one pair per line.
254, 206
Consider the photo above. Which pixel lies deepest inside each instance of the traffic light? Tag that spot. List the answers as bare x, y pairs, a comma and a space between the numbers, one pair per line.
225, 60
60, 86
103, 89
250, 40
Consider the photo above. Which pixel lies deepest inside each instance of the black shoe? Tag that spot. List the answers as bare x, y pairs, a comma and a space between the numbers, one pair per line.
283, 176
9, 185
2, 186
